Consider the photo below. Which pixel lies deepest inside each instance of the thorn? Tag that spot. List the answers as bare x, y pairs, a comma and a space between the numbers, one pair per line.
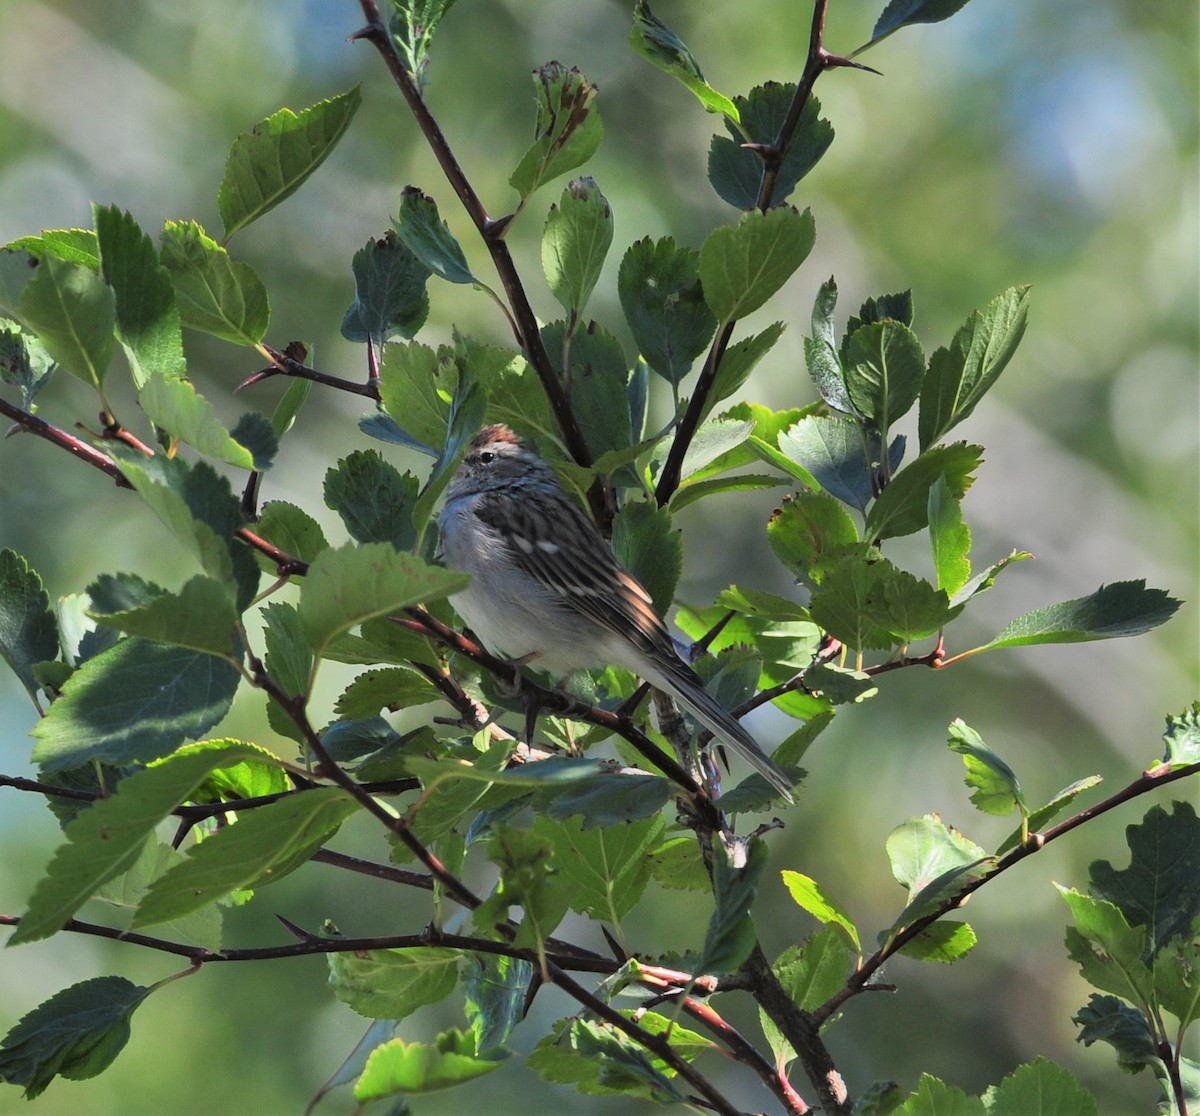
368, 32
836, 61
296, 931
257, 378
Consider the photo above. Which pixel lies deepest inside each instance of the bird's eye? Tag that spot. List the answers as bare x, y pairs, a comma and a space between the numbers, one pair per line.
487, 457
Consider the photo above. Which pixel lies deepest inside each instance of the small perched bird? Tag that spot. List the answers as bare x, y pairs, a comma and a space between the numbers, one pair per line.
546, 588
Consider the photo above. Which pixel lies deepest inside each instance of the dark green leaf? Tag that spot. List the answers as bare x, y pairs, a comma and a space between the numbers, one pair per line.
272, 161
1124, 1028
659, 287
577, 236
291, 529
649, 547
393, 983
934, 1098
200, 617
527, 880
374, 500
743, 265
147, 319
73, 312
903, 13
658, 44
105, 839
736, 172
215, 294
821, 353
731, 934
1039, 1088
390, 298
24, 362
959, 376
834, 451
264, 845
599, 378
75, 1034
884, 367
422, 231
391, 688
903, 507
289, 406
415, 387
738, 362
28, 633
1125, 608
567, 131
494, 991
136, 701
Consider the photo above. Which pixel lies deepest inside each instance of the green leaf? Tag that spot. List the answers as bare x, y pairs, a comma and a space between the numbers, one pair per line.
494, 995
934, 862
817, 969
903, 13
391, 688
374, 500
833, 450
806, 528
400, 1067
415, 388
390, 297
351, 584
73, 312
106, 838
944, 941
75, 1034
1158, 889
934, 1098
731, 935
289, 661
527, 880
146, 315
24, 362
1039, 1088
1181, 737
393, 983
422, 231
291, 529
73, 245
808, 895
1125, 608
647, 545
821, 353
575, 240
1039, 817
176, 406
28, 633
659, 287
995, 786
289, 406
903, 507
567, 131
658, 44
272, 161
200, 617
136, 701
264, 845
738, 362
884, 367
677, 865
412, 27
605, 866
743, 265
1108, 950
736, 172
215, 294
717, 486
1124, 1028
984, 580
949, 538
959, 376
1177, 977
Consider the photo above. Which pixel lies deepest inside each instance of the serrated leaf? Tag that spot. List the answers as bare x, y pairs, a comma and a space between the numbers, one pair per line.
263, 845
935, 1098
1177, 977
884, 367
731, 934
647, 545
75, 1034
147, 318
136, 701
575, 241
393, 983
402, 1068
494, 992
24, 362
738, 362
73, 312
1108, 950
390, 296
743, 265
1124, 608
271, 162
934, 862
944, 941
200, 617
599, 378
73, 245
1182, 738
960, 375
816, 970
808, 895
351, 584
374, 500
995, 785
949, 538
807, 527
834, 451
903, 507
567, 130
415, 388
176, 406
1039, 817
658, 44
1124, 1028
1039, 1088
984, 580
105, 839
412, 28
677, 865
423, 232
215, 294
659, 287
391, 688
736, 172
821, 353
28, 633
903, 13
291, 529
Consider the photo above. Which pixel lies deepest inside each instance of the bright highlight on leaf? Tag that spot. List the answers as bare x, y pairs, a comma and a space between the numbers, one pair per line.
568, 129
657, 43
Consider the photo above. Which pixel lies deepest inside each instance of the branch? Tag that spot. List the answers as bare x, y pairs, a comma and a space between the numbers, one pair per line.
285, 364
69, 442
860, 980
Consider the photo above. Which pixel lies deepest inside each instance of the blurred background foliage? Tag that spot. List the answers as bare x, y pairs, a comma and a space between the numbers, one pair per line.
1018, 142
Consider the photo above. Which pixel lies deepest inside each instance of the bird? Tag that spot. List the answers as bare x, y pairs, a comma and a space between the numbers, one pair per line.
547, 590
